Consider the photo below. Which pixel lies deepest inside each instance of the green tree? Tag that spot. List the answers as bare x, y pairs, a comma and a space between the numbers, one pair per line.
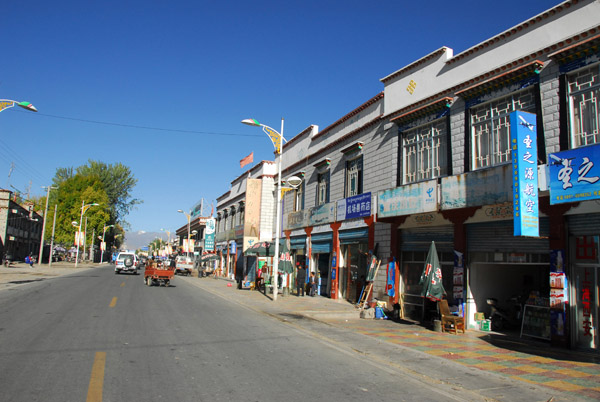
69, 196
118, 183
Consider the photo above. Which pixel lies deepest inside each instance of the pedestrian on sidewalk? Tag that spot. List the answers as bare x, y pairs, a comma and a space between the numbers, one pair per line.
29, 261
313, 284
300, 279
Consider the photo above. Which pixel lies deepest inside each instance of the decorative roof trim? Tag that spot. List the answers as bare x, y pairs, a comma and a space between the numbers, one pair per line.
417, 63
567, 51
359, 109
327, 148
419, 109
500, 73
357, 146
514, 30
322, 163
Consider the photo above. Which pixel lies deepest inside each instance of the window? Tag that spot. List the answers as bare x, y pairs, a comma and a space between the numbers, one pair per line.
490, 128
424, 152
299, 197
323, 188
354, 177
242, 213
584, 89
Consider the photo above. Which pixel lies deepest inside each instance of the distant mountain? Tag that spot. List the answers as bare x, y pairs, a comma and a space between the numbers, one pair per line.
136, 240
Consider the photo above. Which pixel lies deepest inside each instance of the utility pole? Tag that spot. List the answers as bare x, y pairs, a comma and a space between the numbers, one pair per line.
52, 238
41, 255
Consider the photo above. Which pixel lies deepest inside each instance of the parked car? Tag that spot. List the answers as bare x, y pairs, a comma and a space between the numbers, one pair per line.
127, 262
184, 265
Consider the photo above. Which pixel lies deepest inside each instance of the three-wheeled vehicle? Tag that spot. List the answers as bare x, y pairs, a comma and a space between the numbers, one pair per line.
157, 274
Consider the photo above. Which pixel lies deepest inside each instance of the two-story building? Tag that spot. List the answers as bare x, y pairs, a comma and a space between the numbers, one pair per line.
431, 158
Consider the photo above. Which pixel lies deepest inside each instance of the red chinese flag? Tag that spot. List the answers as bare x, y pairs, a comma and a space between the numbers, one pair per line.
247, 160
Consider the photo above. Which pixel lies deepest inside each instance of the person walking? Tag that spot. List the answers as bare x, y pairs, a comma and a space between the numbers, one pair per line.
300, 279
313, 284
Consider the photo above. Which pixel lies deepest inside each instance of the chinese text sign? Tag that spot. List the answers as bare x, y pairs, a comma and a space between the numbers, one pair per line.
523, 143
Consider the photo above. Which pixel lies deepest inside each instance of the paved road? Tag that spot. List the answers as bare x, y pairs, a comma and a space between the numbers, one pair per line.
96, 336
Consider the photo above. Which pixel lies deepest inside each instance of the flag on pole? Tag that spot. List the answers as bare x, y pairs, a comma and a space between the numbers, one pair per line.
247, 160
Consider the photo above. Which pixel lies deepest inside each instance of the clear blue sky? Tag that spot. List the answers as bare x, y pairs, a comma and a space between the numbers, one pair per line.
194, 69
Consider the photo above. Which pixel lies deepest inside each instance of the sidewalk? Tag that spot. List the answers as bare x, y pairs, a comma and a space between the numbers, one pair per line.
572, 373
19, 273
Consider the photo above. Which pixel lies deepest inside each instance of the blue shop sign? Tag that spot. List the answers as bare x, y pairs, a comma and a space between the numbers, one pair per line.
523, 142
575, 175
358, 206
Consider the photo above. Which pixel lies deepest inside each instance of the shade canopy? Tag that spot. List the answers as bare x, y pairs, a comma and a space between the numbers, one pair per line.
431, 278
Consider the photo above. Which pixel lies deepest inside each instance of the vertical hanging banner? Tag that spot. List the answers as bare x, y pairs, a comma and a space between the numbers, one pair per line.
523, 142
209, 235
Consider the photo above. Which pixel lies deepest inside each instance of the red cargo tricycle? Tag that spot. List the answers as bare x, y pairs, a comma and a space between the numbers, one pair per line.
157, 274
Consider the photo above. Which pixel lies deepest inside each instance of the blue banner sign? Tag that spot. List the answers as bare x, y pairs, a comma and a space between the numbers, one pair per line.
523, 141
575, 175
358, 206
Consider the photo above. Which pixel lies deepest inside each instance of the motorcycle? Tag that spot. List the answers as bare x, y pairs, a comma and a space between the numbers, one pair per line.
7, 260
502, 318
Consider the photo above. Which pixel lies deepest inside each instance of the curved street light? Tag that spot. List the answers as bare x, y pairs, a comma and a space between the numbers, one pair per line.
8, 103
102, 244
277, 140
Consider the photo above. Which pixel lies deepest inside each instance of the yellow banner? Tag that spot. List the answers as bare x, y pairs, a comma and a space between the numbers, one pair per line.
275, 138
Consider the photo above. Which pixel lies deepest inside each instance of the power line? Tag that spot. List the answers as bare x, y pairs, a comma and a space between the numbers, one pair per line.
145, 127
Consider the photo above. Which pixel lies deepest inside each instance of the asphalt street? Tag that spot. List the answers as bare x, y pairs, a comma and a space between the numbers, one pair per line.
97, 336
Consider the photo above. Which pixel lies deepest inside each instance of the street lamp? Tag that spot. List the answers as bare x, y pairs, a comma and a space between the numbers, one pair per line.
277, 140
41, 256
7, 104
84, 208
168, 232
188, 216
101, 245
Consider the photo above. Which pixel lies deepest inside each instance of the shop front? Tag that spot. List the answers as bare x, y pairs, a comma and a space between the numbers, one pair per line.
354, 250
509, 273
321, 249
298, 253
584, 245
414, 245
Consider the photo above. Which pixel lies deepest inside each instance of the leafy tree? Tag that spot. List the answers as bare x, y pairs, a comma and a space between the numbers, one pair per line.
118, 183
62, 174
70, 196
96, 182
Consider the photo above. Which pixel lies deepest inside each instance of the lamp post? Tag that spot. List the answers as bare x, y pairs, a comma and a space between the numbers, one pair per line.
84, 208
102, 244
8, 103
277, 140
188, 216
41, 256
168, 232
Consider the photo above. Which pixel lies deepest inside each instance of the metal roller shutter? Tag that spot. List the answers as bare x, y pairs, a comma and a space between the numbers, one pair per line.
298, 243
584, 224
419, 239
321, 242
354, 236
499, 236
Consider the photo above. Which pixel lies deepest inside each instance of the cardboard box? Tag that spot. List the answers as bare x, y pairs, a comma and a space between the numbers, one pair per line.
485, 325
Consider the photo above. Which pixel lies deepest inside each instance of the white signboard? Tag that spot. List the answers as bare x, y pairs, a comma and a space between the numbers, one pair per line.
410, 199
